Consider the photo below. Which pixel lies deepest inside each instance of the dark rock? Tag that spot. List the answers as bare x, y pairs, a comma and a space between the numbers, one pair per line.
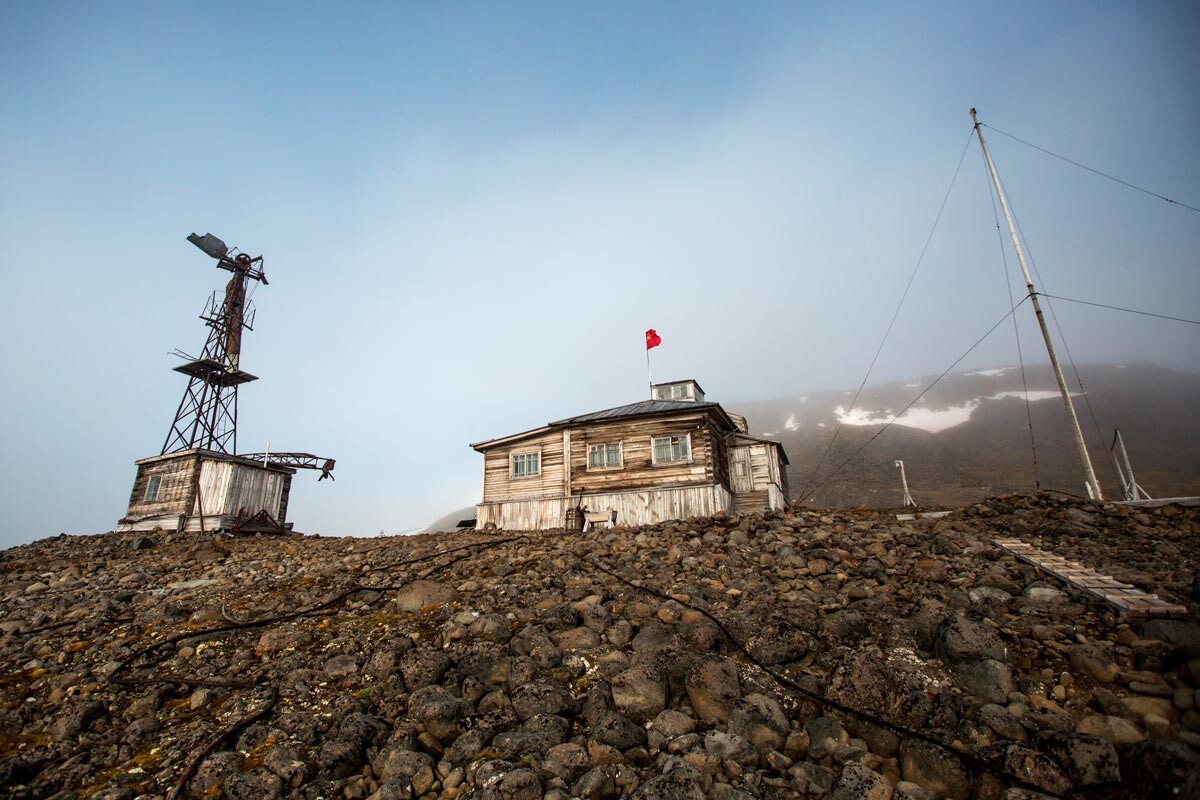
681, 783
1154, 770
536, 735
761, 720
441, 712
934, 768
961, 639
858, 782
423, 667
714, 689
363, 728
1182, 635
617, 731
397, 788
988, 679
420, 594
825, 735
543, 697
285, 761
1032, 766
78, 718
467, 746
1088, 760
215, 770
257, 784
340, 666
730, 747
640, 692
597, 784
340, 757
518, 784
566, 762
1093, 661
846, 626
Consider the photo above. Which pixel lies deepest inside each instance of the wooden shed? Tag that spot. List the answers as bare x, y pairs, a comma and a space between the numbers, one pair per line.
191, 489
671, 457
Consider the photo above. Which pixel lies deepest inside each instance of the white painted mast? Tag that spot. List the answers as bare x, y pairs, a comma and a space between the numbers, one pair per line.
1093, 484
908, 501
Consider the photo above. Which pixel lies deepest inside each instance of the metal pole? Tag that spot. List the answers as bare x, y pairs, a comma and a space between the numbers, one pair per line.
1125, 490
1133, 490
649, 377
1092, 481
908, 501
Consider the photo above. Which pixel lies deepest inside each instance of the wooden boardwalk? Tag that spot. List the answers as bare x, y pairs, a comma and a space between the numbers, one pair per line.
1128, 600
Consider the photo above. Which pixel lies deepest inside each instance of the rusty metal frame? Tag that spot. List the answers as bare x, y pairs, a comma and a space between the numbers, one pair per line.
207, 415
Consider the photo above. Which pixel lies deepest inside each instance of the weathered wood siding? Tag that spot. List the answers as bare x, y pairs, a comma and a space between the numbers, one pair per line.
176, 489
638, 470
227, 487
776, 497
644, 507
498, 483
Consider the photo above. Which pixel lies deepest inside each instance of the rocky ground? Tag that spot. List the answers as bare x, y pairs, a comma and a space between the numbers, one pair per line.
808, 654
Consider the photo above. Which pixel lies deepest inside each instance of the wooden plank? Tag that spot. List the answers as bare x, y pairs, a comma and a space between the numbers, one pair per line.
1127, 599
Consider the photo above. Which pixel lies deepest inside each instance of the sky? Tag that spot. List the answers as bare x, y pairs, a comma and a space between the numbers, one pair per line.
471, 212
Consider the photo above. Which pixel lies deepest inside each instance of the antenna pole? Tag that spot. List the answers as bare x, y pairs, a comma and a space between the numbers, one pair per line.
1092, 482
1132, 490
908, 501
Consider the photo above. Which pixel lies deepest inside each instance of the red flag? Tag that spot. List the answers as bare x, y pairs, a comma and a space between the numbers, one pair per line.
652, 339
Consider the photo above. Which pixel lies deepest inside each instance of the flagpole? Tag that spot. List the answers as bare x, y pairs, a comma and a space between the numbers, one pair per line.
649, 377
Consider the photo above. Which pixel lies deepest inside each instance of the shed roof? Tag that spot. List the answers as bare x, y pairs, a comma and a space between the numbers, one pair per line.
749, 437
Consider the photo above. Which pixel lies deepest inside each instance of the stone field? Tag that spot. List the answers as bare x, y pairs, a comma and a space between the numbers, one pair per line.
838, 654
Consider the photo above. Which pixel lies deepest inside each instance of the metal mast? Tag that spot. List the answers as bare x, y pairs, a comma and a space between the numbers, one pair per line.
908, 501
207, 415
1093, 484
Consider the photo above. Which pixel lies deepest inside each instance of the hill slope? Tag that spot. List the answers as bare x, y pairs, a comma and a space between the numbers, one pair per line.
968, 437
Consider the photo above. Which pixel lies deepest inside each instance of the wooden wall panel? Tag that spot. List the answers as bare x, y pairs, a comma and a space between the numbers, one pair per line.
633, 507
638, 469
498, 483
176, 489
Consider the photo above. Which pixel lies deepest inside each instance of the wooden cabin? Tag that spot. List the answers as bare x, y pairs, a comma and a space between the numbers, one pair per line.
671, 457
177, 490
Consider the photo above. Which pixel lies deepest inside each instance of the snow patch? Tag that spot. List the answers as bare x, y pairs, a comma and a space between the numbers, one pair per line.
820, 424
933, 420
912, 385
1034, 394
989, 373
790, 424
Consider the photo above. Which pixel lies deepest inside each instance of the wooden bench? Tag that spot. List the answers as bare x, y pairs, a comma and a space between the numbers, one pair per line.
590, 518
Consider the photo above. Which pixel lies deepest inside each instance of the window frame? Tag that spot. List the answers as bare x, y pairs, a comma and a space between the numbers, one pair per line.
512, 464
683, 390
620, 444
687, 437
152, 482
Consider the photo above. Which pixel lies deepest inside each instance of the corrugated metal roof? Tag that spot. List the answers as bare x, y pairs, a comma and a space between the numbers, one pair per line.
639, 409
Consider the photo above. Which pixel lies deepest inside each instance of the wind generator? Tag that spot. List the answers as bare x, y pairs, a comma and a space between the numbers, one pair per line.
198, 481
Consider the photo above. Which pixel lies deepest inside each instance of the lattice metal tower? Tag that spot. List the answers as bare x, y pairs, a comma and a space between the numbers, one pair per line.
207, 415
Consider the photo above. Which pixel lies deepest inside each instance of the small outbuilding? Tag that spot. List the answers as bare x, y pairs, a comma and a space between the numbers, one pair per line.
193, 490
671, 457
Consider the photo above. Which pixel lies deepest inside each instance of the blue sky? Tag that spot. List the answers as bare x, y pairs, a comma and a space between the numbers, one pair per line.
470, 212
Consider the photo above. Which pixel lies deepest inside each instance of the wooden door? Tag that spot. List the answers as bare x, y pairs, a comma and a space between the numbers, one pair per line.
739, 470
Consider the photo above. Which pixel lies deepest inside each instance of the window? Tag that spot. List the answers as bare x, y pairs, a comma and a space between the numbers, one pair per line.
604, 456
526, 465
678, 391
152, 488
672, 449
